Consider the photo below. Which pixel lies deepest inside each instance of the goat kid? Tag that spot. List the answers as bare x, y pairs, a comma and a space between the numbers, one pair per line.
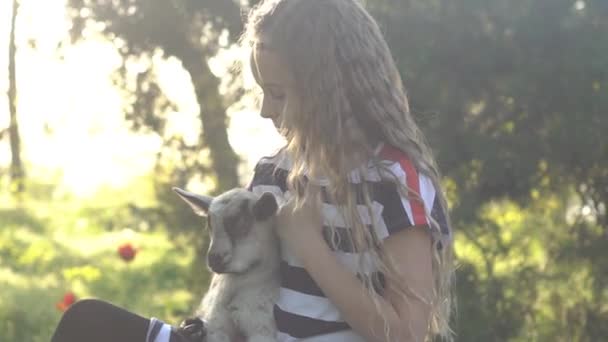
244, 258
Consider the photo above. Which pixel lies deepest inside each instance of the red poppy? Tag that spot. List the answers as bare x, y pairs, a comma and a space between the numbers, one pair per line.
68, 299
127, 252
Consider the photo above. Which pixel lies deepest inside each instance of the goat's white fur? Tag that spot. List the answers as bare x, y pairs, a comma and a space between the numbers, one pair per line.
240, 299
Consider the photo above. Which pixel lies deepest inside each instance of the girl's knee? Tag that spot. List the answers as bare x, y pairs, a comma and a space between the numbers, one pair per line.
75, 317
85, 311
84, 307
96, 320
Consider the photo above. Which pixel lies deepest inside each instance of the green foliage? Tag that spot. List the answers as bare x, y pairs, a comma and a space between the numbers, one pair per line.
522, 277
49, 247
513, 96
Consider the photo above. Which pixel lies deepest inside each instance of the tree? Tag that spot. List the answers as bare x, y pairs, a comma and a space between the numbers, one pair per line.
17, 173
189, 31
526, 79
513, 97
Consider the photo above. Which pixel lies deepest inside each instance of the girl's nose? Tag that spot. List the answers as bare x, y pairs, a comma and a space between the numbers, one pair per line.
267, 111
266, 114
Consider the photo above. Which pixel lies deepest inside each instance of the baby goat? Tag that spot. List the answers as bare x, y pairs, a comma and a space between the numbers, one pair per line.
244, 257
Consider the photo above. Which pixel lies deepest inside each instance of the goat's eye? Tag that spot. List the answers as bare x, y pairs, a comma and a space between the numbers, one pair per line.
237, 226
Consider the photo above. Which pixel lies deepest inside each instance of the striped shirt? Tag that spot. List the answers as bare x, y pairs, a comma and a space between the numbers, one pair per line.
303, 312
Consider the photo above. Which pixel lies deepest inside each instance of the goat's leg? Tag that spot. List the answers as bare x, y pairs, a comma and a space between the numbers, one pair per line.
257, 326
260, 338
217, 336
219, 331
220, 327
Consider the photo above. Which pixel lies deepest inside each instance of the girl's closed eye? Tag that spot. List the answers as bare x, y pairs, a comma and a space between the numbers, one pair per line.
275, 93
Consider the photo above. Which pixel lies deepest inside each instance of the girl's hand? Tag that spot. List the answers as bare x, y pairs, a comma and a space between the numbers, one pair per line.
301, 228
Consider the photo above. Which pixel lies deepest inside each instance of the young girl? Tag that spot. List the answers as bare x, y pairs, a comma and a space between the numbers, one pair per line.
365, 235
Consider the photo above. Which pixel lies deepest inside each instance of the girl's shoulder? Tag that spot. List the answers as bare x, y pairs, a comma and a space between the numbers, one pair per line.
270, 174
279, 160
387, 164
414, 198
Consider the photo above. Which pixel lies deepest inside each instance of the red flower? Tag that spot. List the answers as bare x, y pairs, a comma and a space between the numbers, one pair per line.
68, 299
127, 252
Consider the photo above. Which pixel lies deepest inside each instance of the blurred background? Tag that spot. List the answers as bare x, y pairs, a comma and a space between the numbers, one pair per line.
110, 103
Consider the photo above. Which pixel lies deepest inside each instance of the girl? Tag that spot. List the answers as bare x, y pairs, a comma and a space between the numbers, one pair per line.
365, 235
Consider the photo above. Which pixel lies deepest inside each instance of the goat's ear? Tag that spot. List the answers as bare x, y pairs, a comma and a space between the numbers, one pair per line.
265, 206
199, 203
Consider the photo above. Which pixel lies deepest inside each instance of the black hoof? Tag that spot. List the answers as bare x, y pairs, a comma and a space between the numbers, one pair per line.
193, 329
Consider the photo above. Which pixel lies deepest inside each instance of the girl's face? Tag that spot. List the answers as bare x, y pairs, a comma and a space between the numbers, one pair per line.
272, 75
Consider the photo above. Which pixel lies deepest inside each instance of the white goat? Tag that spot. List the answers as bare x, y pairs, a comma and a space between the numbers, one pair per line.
244, 257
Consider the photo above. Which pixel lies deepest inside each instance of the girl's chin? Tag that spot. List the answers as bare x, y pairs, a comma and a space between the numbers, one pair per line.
277, 125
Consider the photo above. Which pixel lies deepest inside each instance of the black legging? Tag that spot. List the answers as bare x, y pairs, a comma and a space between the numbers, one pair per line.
97, 321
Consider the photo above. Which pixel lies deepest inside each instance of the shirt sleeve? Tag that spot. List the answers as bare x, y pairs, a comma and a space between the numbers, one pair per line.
268, 178
401, 212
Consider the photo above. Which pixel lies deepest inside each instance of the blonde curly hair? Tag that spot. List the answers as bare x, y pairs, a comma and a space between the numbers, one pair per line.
351, 98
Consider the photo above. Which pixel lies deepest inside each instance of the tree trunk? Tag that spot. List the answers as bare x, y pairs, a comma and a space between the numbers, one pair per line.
16, 169
213, 119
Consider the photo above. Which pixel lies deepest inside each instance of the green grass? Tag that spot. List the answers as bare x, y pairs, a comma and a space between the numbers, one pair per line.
52, 246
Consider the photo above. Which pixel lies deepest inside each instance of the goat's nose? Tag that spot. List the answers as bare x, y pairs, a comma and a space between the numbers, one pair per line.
215, 262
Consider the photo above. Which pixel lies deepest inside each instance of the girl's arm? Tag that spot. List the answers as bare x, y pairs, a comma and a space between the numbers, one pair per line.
410, 249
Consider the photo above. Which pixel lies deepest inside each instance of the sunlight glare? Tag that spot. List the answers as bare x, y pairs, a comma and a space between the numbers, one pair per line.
176, 84
71, 114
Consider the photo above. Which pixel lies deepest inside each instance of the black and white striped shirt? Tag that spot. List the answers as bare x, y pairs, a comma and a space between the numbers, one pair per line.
303, 312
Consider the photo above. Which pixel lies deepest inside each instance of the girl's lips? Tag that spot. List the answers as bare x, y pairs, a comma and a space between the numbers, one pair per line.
276, 123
